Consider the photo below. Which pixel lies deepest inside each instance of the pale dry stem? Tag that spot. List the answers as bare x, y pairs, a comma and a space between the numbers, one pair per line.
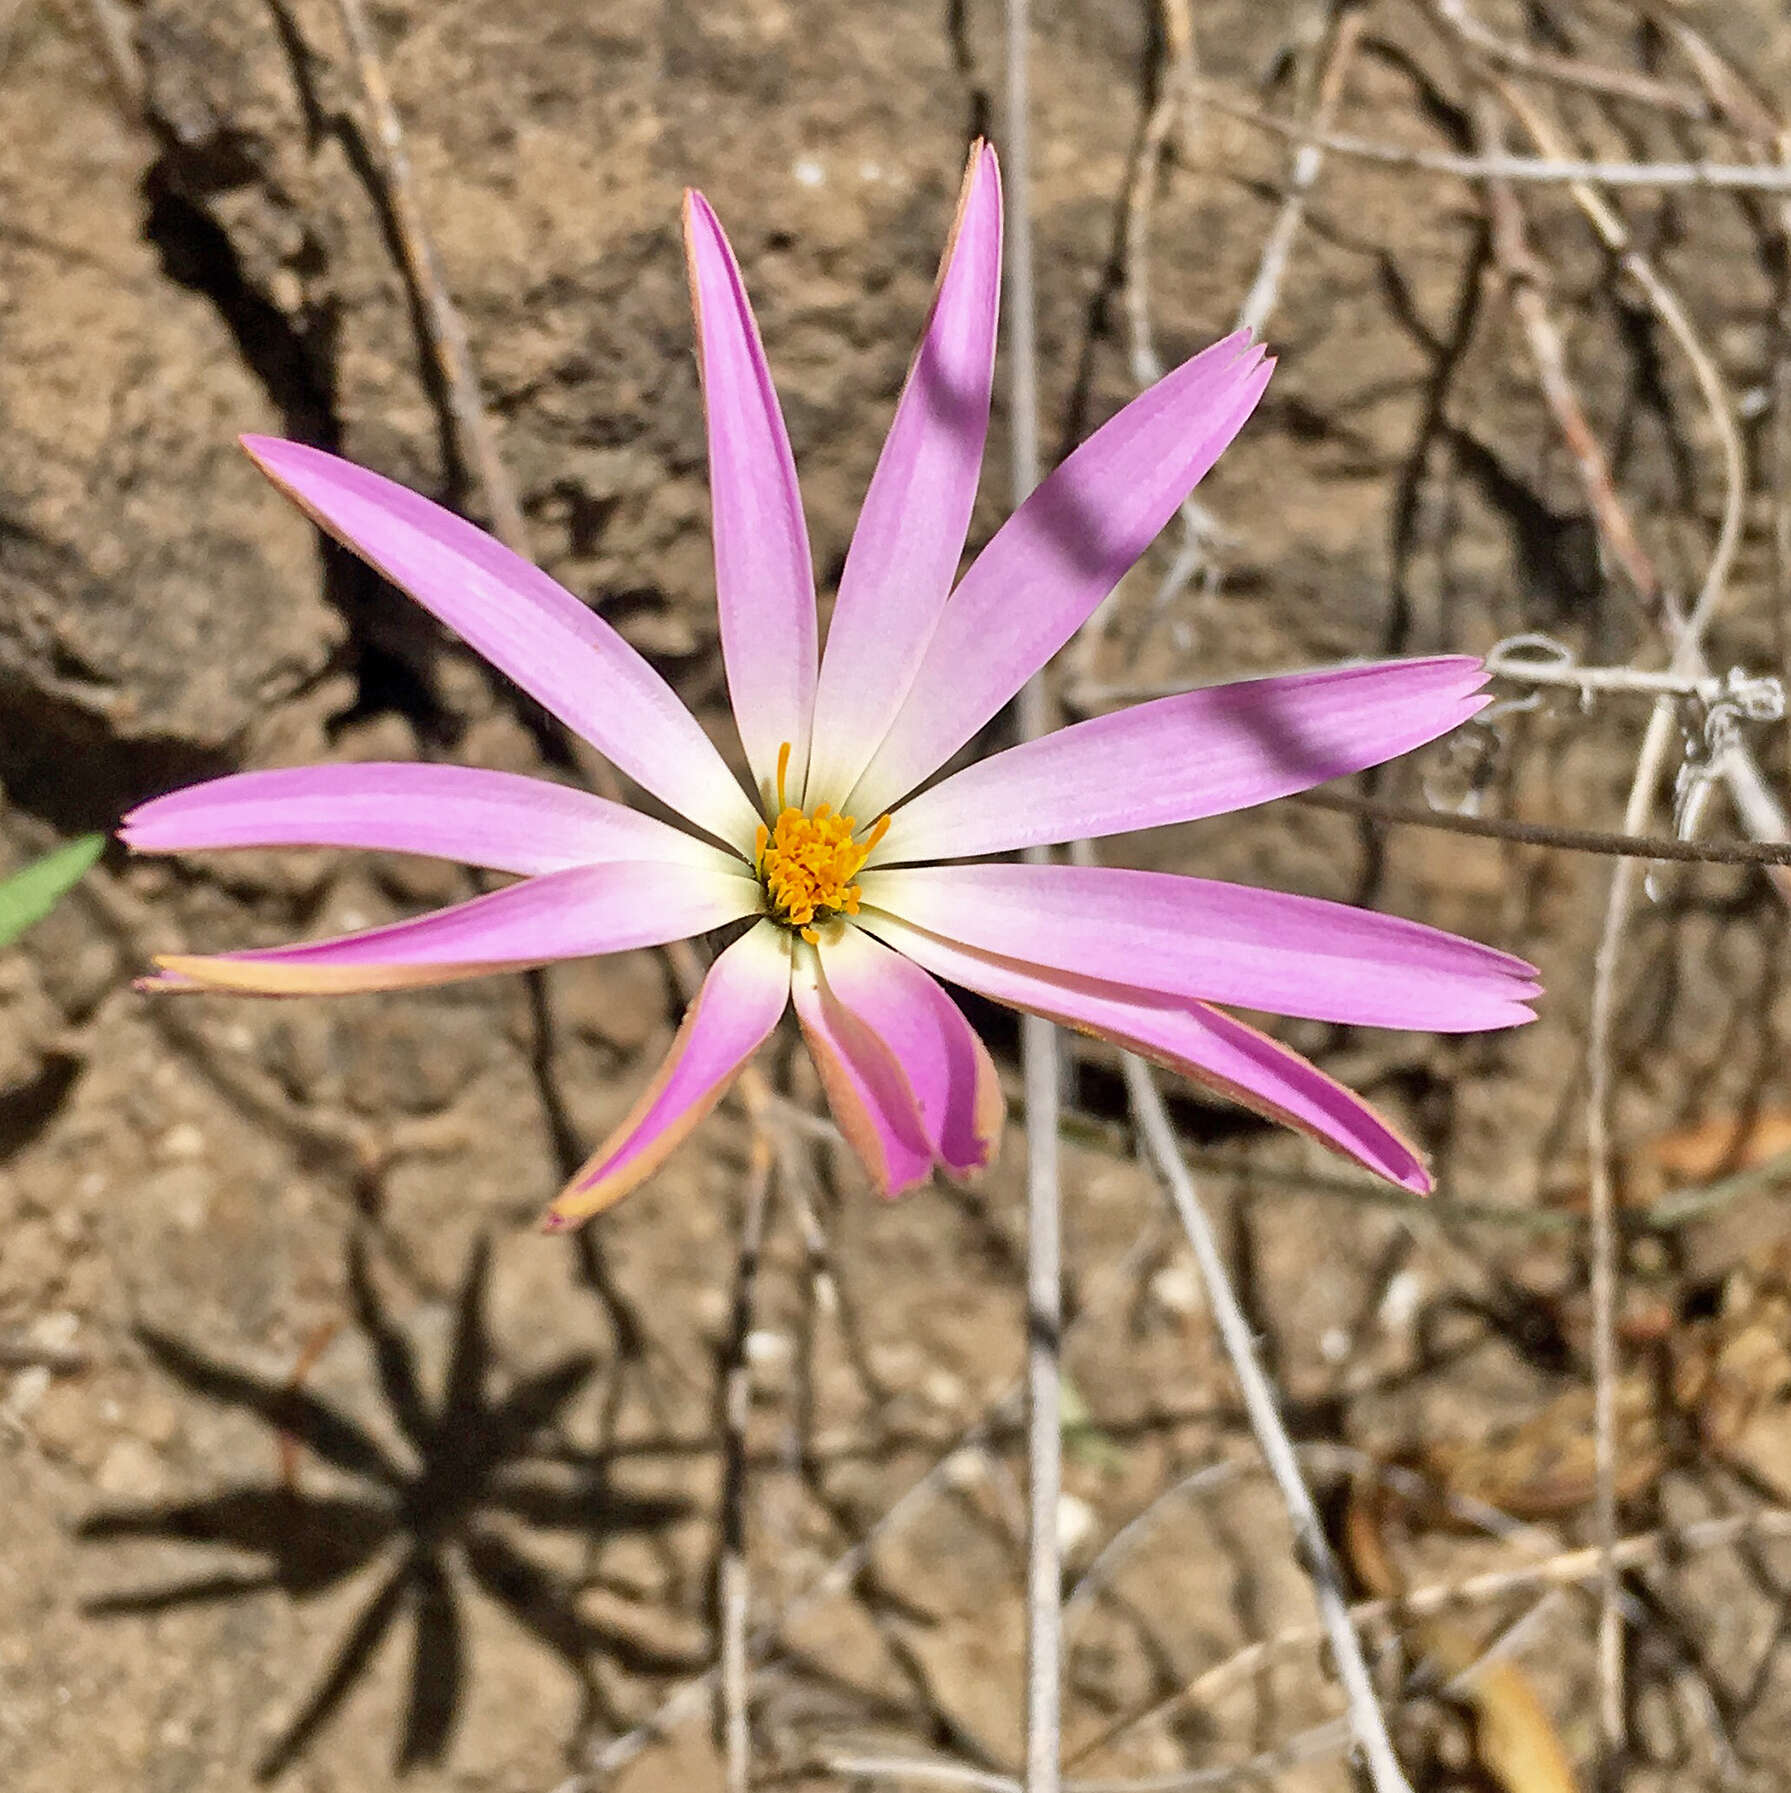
1712, 177
1311, 1548
1200, 532
734, 1589
1041, 1061
447, 333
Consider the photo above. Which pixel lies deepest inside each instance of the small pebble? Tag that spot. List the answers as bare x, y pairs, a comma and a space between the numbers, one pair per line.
1176, 1289
1075, 1523
182, 1141
129, 1470
768, 1355
1399, 1306
964, 1470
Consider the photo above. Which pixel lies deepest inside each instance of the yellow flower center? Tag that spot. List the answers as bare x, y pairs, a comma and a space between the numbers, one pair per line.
807, 860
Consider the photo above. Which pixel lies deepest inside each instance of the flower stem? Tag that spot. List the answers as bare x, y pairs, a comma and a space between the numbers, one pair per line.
1044, 1423
1040, 1063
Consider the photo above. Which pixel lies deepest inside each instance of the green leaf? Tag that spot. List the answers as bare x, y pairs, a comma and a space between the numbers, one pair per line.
1082, 1438
30, 895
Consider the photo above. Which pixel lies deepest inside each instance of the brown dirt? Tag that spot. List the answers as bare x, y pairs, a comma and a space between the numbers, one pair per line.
184, 1186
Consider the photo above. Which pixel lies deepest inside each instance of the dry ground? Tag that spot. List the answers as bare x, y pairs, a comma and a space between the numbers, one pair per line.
220, 1221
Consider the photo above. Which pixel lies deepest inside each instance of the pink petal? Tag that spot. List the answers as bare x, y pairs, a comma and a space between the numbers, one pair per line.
1190, 1039
764, 585
560, 915
1192, 937
877, 1108
734, 1012
493, 819
1173, 760
532, 630
946, 1066
1058, 555
910, 535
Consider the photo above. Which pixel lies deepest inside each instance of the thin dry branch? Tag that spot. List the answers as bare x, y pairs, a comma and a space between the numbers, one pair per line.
447, 334
117, 43
22, 1351
1570, 71
734, 1591
1331, 1738
1540, 660
1714, 177
1198, 531
1311, 1548
1178, 74
1309, 160
1762, 696
1040, 1061
1524, 285
1657, 848
1618, 239
1731, 98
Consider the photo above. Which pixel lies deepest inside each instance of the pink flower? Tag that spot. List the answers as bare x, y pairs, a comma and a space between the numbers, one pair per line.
860, 893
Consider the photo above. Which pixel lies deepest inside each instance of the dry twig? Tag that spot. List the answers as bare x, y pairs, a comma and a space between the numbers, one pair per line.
22, 1351
1328, 1739
447, 334
1178, 73
1524, 284
1538, 660
1713, 177
733, 1583
1570, 71
1311, 1548
118, 50
1309, 159
1198, 531
1041, 1065
1657, 848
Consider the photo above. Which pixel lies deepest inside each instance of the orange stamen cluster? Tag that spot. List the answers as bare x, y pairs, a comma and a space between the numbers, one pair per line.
807, 860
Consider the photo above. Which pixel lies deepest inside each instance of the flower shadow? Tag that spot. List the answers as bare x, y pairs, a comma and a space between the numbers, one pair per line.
441, 1515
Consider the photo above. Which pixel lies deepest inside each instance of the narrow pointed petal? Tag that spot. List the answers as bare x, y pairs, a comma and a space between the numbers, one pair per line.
498, 820
1191, 1039
1200, 754
764, 584
1228, 943
875, 1105
954, 1081
531, 629
572, 914
910, 535
1058, 556
747, 989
